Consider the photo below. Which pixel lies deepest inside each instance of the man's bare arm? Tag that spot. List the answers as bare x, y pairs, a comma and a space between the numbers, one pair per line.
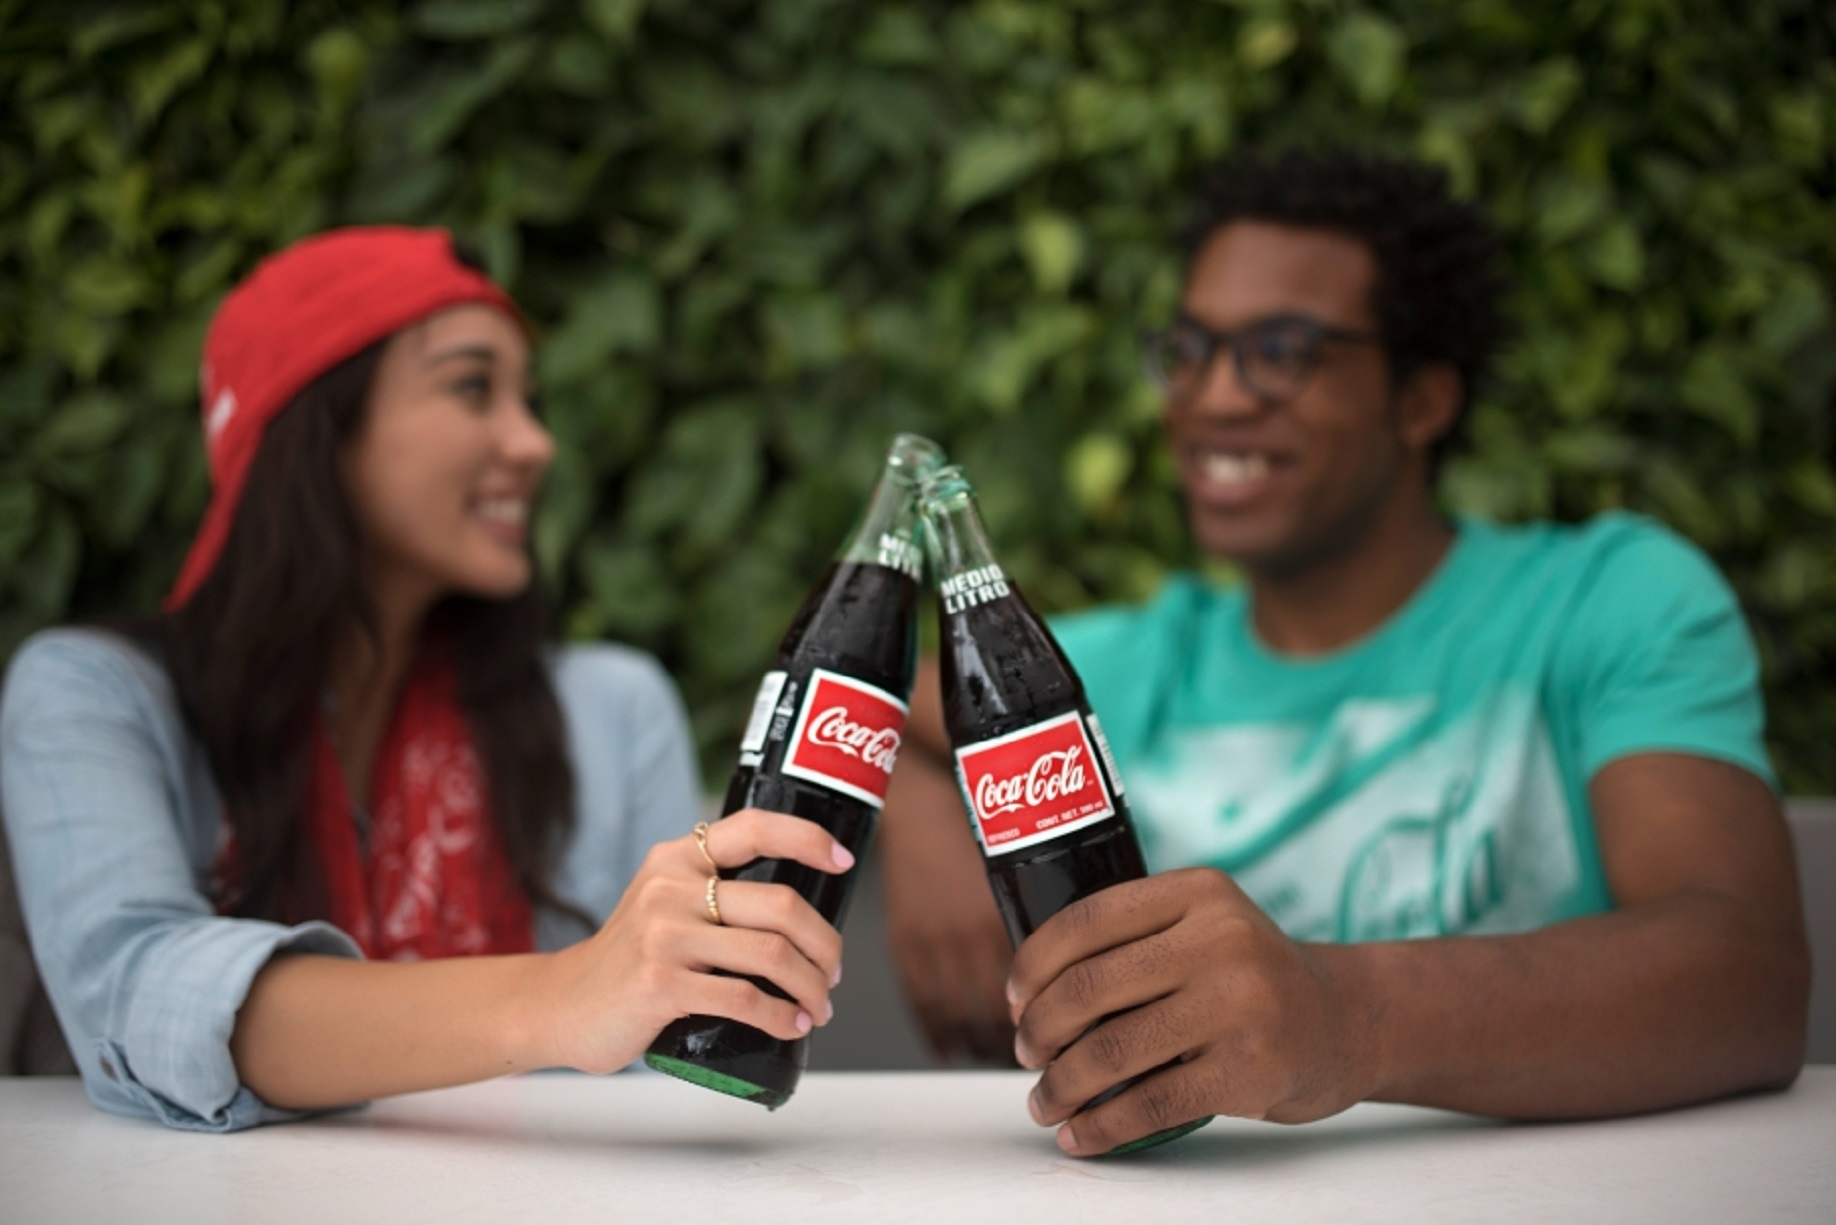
947, 938
1695, 986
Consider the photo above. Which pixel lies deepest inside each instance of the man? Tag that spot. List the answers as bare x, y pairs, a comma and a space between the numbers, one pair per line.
1440, 811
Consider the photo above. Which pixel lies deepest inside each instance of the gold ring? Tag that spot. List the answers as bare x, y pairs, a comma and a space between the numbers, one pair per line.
701, 840
714, 902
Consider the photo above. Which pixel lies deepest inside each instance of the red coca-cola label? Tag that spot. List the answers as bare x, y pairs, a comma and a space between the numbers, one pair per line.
1033, 785
847, 736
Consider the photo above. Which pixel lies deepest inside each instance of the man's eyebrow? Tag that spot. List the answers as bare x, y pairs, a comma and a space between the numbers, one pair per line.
483, 352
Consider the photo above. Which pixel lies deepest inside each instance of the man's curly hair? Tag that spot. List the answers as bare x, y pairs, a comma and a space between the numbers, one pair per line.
1439, 293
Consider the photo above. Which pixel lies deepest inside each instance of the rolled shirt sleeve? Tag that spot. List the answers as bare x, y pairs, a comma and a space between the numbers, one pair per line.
113, 826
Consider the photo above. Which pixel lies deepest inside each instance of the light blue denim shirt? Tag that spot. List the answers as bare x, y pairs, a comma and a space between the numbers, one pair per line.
114, 824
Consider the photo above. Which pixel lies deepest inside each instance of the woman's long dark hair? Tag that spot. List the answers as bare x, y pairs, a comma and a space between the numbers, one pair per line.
250, 652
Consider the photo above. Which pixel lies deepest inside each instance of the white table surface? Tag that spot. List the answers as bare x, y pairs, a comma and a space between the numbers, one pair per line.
866, 1147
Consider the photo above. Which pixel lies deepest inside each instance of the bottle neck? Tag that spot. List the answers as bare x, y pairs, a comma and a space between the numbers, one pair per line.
964, 564
887, 534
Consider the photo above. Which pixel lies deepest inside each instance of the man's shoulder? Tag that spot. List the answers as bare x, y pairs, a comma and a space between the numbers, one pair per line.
1612, 559
1183, 600
1613, 533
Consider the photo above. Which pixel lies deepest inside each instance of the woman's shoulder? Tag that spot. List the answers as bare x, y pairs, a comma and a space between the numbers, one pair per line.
73, 669
610, 678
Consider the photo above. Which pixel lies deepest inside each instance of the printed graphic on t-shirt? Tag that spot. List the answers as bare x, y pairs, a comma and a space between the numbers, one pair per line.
1376, 826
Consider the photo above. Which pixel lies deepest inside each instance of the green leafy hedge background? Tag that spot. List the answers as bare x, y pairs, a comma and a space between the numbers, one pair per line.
759, 238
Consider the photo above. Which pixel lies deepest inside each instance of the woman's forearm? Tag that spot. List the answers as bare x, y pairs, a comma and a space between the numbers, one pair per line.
319, 1031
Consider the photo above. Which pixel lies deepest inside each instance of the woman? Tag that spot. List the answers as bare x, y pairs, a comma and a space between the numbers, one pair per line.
254, 835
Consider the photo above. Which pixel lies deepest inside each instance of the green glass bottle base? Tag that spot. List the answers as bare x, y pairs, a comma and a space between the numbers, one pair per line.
1159, 1137
720, 1082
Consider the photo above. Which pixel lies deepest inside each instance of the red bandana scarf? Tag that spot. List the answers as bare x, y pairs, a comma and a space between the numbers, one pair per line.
435, 881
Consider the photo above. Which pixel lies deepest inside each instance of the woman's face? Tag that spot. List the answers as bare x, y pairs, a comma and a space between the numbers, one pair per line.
443, 470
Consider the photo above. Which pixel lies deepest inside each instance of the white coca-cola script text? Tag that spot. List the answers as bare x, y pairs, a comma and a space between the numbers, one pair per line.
876, 746
1052, 776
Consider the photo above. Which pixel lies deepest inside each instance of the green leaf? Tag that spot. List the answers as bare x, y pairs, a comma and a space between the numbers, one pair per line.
133, 494
629, 593
1054, 249
1713, 389
103, 285
1369, 52
118, 26
1616, 257
621, 314
1096, 468
471, 19
616, 19
47, 571
151, 88
18, 520
580, 66
338, 60
1264, 42
1544, 95
805, 330
989, 163
447, 110
1795, 314
898, 36
1566, 206
81, 424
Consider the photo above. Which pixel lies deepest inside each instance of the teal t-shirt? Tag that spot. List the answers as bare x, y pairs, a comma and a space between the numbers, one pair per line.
1430, 778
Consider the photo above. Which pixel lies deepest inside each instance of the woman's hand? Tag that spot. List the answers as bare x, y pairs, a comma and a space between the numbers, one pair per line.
605, 999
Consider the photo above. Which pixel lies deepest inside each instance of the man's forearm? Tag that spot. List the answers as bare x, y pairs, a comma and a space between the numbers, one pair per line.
1678, 999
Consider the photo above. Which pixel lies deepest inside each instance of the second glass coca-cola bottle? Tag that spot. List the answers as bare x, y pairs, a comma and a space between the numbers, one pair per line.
1036, 773
824, 734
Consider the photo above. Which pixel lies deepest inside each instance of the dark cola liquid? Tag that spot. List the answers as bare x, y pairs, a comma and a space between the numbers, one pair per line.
860, 621
1003, 671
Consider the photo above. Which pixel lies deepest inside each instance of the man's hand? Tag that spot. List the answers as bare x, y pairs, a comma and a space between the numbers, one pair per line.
945, 933
1188, 971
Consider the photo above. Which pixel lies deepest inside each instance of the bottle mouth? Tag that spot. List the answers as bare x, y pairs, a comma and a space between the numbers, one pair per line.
941, 484
915, 456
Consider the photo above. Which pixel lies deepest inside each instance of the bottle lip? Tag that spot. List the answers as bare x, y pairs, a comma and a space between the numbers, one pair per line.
941, 484
913, 456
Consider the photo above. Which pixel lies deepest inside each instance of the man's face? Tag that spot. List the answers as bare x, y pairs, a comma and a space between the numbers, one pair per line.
1278, 484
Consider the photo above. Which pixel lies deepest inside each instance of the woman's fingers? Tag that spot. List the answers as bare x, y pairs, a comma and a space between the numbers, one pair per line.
767, 955
736, 999
777, 909
752, 833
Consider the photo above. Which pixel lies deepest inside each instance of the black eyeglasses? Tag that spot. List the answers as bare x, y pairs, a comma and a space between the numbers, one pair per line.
1274, 357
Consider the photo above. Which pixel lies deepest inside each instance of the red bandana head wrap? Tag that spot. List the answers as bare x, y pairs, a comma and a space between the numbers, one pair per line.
433, 879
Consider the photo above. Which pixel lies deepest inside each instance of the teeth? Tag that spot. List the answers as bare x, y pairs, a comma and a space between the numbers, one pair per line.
504, 510
1223, 469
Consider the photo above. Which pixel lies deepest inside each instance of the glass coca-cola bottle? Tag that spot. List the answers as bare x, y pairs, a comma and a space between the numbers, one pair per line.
1036, 773
824, 733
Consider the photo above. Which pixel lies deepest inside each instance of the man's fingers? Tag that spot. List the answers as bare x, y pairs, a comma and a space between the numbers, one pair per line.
984, 988
1087, 991
752, 833
1112, 1053
1115, 916
1162, 1101
779, 908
